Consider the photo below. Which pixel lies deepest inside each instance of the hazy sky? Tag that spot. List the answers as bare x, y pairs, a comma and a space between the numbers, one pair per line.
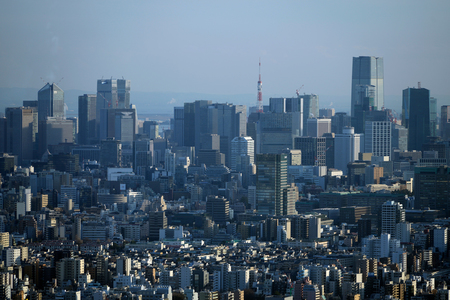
214, 47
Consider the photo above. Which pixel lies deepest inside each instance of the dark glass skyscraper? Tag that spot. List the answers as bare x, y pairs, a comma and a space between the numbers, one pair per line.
50, 102
271, 182
416, 116
367, 74
86, 115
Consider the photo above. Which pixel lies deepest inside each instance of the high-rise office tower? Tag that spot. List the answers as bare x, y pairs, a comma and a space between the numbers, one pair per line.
392, 213
378, 138
19, 133
151, 128
218, 208
310, 108
433, 117
86, 115
178, 125
313, 150
195, 122
111, 93
119, 124
416, 116
399, 137
346, 148
54, 131
444, 126
50, 102
271, 173
142, 156
317, 127
339, 121
368, 71
242, 145
431, 188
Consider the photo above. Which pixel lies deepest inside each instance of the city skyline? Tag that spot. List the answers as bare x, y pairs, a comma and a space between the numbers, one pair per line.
167, 48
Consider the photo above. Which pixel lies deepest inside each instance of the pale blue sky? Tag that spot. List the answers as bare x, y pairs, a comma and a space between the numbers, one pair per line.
213, 47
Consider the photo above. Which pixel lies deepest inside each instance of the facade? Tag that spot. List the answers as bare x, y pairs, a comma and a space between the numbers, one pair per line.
433, 117
19, 133
317, 127
218, 208
431, 188
86, 115
339, 121
444, 126
416, 116
271, 172
378, 137
346, 148
242, 146
310, 108
178, 125
277, 130
53, 131
367, 71
392, 213
399, 138
50, 102
312, 150
151, 128
142, 156
111, 93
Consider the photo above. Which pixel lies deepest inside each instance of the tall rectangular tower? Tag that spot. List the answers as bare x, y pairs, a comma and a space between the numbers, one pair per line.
367, 71
111, 93
271, 182
416, 116
50, 102
19, 133
86, 115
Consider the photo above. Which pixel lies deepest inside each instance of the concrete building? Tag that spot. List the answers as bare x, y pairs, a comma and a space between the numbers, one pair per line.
378, 138
347, 146
392, 213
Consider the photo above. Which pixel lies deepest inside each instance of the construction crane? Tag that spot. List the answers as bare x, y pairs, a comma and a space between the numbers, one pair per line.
297, 91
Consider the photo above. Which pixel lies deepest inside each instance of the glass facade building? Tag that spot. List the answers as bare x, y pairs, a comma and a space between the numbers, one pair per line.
367, 71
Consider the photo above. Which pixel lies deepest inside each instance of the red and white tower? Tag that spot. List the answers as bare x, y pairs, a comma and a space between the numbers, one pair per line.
260, 104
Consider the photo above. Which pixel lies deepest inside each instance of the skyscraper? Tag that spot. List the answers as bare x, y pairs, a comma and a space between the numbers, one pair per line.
19, 132
111, 93
310, 108
346, 148
416, 116
178, 125
86, 115
50, 102
367, 71
242, 145
271, 182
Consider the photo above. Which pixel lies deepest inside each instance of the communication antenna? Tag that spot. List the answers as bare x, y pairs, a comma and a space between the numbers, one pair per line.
260, 104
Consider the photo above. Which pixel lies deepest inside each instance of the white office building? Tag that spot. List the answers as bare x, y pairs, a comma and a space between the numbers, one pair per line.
242, 145
378, 138
347, 147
